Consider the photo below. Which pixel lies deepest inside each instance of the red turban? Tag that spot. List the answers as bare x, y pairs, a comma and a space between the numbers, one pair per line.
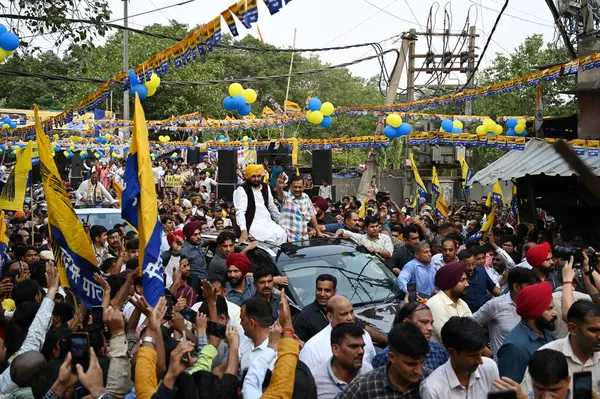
240, 261
449, 275
171, 236
320, 203
190, 228
534, 300
538, 254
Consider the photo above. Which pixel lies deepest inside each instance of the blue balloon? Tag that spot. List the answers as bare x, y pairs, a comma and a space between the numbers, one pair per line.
221, 137
389, 132
133, 79
511, 123
314, 104
239, 101
9, 41
249, 139
141, 90
13, 125
244, 109
447, 125
327, 121
227, 139
456, 130
229, 103
403, 130
3, 29
510, 132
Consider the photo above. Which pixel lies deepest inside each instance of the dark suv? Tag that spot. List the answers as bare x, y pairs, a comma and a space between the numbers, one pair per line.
362, 277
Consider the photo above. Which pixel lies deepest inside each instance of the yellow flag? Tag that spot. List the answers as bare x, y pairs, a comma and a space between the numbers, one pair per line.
420, 185
290, 106
119, 190
466, 173
488, 201
442, 209
497, 194
267, 112
3, 242
363, 208
435, 182
71, 246
13, 193
489, 222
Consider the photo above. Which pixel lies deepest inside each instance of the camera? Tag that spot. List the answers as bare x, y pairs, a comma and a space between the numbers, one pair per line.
382, 196
577, 254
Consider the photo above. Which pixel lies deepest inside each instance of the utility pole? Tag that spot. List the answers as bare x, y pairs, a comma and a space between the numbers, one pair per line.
410, 85
471, 69
125, 62
390, 97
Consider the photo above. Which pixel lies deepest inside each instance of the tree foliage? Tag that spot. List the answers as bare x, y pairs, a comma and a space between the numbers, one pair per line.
52, 19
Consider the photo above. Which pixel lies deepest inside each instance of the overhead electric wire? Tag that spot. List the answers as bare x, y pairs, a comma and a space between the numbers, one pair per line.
204, 82
154, 10
513, 16
487, 43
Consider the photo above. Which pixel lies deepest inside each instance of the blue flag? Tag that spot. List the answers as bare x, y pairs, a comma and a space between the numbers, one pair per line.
140, 207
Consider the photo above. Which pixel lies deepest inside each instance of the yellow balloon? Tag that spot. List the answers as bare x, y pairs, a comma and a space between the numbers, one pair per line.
394, 120
316, 117
167, 138
519, 129
327, 108
3, 55
66, 153
151, 90
97, 155
154, 80
249, 95
489, 125
235, 89
522, 122
457, 124
498, 129
245, 138
481, 129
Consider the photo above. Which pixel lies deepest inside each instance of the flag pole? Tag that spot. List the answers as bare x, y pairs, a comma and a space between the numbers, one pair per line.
287, 90
31, 212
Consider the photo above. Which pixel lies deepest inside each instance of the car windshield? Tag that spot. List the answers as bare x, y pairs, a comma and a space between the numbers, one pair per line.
361, 277
107, 220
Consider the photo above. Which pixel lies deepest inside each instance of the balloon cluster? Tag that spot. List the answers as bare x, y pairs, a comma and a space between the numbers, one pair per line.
450, 126
395, 127
516, 128
319, 114
223, 139
246, 139
174, 155
489, 127
239, 99
7, 123
2, 148
9, 42
164, 139
143, 90
104, 139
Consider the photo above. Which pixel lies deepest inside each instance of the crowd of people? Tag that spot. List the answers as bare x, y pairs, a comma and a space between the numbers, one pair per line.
479, 313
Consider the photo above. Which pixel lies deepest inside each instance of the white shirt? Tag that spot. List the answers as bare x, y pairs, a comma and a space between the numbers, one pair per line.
240, 202
443, 383
82, 193
383, 242
443, 308
157, 172
525, 264
438, 261
563, 345
561, 329
328, 385
232, 309
318, 349
248, 352
207, 183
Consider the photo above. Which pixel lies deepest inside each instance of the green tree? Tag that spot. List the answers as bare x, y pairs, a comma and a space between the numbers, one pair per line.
51, 18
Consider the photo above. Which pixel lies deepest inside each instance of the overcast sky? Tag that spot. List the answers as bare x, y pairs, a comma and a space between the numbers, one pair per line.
325, 23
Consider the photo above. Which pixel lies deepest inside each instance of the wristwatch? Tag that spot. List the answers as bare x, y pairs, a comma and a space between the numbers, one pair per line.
149, 340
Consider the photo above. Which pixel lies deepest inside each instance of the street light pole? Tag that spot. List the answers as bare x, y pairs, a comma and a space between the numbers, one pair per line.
125, 60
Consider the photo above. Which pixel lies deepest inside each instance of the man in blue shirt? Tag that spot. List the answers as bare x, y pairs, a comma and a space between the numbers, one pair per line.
420, 271
418, 314
538, 317
275, 171
480, 282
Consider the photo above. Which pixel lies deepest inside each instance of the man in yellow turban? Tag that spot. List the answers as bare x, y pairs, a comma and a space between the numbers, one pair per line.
255, 211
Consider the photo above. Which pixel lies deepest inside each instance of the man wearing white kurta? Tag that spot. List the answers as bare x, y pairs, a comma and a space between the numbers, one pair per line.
255, 212
318, 349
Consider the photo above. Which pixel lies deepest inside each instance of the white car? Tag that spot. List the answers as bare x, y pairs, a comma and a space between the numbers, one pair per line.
106, 217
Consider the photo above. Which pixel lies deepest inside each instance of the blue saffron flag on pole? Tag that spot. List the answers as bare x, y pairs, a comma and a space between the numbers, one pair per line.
140, 207
71, 246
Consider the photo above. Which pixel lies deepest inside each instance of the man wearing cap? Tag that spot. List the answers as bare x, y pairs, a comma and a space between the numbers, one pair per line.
255, 211
540, 258
239, 287
321, 206
451, 279
192, 249
538, 317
